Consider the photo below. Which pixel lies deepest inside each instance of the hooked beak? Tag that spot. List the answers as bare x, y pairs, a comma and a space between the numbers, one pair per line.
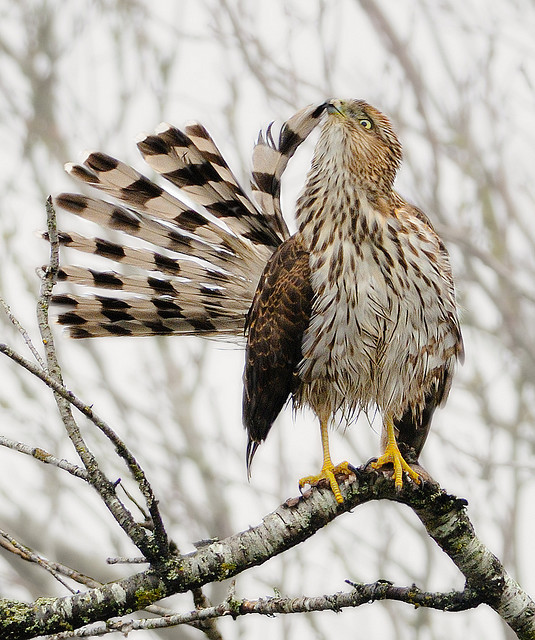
334, 106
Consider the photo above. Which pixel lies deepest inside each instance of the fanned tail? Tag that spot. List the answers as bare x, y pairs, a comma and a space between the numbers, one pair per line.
191, 269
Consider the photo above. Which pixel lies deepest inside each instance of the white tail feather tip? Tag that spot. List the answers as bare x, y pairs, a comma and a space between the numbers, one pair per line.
85, 155
163, 127
141, 137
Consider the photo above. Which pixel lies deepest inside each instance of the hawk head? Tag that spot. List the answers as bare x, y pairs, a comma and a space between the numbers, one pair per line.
366, 140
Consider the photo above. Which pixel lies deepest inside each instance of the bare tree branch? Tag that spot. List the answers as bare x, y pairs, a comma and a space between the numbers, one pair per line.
443, 515
43, 456
361, 594
56, 569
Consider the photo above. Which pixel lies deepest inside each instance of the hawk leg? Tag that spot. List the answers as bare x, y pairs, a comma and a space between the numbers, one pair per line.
393, 455
328, 470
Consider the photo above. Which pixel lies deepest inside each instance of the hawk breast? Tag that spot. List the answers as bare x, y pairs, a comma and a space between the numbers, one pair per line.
380, 328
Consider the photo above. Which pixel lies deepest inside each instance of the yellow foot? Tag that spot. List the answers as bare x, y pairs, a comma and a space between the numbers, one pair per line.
329, 473
393, 455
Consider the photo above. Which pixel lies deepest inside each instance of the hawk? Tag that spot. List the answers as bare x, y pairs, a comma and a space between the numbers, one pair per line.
355, 310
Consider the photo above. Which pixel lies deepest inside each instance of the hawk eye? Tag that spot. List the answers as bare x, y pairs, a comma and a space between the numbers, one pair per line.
364, 122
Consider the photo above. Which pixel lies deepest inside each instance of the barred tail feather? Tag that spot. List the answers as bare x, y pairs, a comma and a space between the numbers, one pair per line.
116, 318
193, 310
143, 197
210, 285
219, 251
194, 164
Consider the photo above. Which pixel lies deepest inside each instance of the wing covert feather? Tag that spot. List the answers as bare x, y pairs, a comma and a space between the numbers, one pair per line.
278, 317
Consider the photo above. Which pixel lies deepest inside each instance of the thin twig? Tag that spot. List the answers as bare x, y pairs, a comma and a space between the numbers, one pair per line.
9, 543
122, 560
53, 378
44, 456
22, 332
96, 477
47, 283
209, 626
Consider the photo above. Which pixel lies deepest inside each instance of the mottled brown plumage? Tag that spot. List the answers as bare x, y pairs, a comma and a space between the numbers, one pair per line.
356, 310
276, 323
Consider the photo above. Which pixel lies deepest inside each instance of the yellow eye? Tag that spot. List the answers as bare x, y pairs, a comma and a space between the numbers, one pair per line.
364, 122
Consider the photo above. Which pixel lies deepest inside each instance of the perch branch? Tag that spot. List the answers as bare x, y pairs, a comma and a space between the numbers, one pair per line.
443, 515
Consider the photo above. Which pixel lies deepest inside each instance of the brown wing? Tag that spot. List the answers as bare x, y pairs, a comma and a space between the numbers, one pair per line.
278, 317
414, 429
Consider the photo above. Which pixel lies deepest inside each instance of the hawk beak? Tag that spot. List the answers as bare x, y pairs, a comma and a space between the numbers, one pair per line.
335, 106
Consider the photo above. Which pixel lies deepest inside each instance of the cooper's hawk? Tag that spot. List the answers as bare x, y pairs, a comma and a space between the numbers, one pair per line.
356, 309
